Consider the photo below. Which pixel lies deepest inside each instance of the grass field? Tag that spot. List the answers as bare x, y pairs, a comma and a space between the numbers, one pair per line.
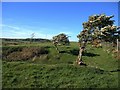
53, 70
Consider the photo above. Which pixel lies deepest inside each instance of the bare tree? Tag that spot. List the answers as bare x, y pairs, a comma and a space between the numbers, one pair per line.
32, 36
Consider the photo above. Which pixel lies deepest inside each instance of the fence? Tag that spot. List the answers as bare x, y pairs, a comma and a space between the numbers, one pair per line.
119, 46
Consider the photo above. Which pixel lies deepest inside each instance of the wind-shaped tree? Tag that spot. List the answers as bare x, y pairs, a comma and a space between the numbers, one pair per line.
98, 27
61, 39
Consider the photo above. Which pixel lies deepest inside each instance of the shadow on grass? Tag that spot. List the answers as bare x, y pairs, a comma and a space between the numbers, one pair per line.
76, 52
63, 52
118, 70
73, 52
90, 54
48, 47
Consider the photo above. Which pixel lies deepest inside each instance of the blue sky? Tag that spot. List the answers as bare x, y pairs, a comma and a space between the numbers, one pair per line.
46, 19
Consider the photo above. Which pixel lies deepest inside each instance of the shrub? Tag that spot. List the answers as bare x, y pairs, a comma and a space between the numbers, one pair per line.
25, 53
7, 50
35, 50
18, 56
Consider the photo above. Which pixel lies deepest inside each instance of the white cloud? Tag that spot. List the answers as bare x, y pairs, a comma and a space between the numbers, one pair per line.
12, 27
66, 32
9, 31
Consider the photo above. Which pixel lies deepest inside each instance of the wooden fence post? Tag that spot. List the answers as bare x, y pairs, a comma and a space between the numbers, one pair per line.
117, 45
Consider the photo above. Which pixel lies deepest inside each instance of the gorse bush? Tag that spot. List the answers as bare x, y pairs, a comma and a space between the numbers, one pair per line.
7, 50
19, 56
24, 53
35, 50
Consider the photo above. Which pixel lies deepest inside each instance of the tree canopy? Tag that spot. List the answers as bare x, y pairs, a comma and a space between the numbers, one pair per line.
99, 27
61, 39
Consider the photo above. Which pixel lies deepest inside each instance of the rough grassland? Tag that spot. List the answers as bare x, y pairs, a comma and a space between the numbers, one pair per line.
55, 70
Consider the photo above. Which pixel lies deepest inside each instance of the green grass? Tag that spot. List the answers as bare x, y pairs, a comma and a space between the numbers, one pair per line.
58, 70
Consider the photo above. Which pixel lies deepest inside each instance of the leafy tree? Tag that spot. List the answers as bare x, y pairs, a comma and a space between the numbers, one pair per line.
98, 27
61, 39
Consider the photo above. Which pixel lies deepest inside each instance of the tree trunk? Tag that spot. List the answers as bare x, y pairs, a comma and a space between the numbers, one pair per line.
57, 49
82, 47
80, 55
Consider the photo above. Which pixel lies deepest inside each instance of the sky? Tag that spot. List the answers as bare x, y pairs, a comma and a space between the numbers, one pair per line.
47, 19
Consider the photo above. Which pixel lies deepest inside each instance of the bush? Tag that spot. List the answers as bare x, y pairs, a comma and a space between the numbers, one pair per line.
35, 50
7, 50
25, 53
18, 56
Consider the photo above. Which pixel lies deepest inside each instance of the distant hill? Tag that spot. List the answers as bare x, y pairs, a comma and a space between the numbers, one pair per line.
27, 39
